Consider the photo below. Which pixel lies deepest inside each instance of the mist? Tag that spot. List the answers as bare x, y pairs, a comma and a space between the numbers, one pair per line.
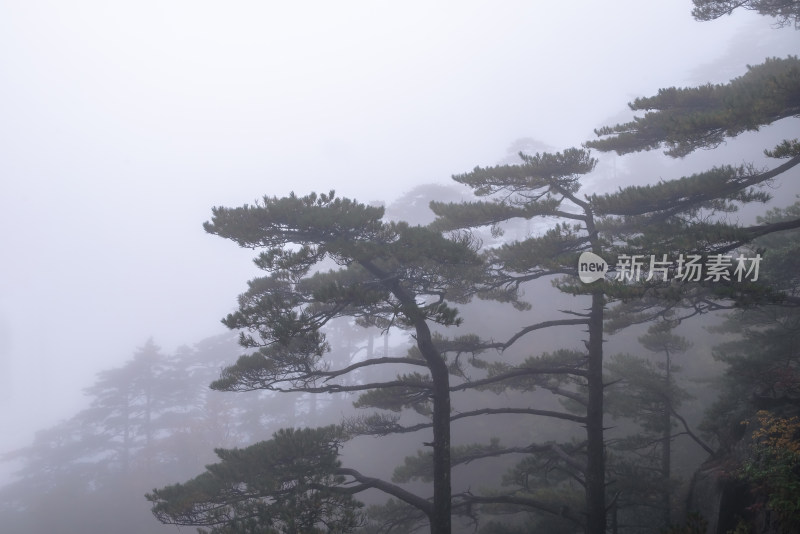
123, 124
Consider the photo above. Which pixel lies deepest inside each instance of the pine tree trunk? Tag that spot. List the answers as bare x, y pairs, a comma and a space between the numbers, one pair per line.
666, 448
595, 448
148, 424
126, 433
440, 519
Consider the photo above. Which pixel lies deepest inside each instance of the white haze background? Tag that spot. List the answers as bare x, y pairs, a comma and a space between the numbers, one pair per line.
122, 123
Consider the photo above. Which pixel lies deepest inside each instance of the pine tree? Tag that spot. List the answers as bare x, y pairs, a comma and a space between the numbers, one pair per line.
545, 185
648, 393
685, 119
151, 419
679, 218
381, 282
384, 274
763, 367
290, 484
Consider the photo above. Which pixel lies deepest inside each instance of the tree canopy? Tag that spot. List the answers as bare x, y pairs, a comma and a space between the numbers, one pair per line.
396, 275
285, 485
388, 274
786, 11
685, 119
664, 222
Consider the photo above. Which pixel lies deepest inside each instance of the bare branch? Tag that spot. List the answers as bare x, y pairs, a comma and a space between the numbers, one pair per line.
689, 432
544, 324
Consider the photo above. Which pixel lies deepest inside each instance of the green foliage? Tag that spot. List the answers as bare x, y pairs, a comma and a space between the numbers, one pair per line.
531, 473
686, 119
661, 339
393, 517
476, 214
782, 251
296, 363
773, 467
671, 218
389, 274
529, 381
718, 189
316, 220
420, 466
559, 171
555, 251
300, 233
285, 485
786, 149
533, 188
786, 11
415, 395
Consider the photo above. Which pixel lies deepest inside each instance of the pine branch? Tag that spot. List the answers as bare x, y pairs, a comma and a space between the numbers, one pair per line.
424, 505
544, 324
467, 499
516, 373
689, 432
365, 363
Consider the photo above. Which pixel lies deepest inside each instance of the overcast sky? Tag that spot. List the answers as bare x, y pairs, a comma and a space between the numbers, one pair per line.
122, 123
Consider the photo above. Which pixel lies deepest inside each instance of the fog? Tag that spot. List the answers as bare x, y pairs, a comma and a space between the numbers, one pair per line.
122, 124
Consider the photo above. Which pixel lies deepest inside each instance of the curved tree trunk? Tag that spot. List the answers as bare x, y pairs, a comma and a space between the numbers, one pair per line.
440, 518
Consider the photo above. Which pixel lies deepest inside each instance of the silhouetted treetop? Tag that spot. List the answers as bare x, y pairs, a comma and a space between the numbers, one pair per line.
284, 485
685, 119
786, 11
